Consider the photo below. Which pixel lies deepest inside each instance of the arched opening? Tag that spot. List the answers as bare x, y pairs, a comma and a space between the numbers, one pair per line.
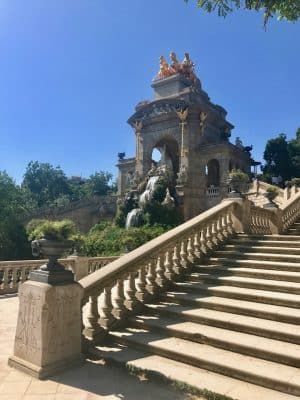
212, 171
230, 168
166, 152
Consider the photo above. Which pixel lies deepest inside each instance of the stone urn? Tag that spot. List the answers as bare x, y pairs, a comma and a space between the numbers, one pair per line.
270, 195
52, 272
236, 185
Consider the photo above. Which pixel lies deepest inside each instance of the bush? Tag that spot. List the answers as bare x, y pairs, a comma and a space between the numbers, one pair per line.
52, 230
111, 240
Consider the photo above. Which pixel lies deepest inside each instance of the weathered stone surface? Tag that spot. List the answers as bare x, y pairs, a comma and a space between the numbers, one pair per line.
48, 334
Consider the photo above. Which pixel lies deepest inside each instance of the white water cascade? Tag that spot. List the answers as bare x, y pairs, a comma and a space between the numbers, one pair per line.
147, 195
134, 218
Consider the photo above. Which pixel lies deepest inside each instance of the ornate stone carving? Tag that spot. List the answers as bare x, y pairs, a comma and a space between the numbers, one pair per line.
203, 117
182, 114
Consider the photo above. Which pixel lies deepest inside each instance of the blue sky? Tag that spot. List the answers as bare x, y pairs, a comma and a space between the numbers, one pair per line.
72, 71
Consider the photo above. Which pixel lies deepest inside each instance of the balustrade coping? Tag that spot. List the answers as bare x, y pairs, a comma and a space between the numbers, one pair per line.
142, 253
290, 201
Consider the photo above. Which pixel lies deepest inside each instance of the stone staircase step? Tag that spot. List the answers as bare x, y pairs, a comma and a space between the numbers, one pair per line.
237, 305
284, 237
250, 369
263, 243
249, 272
242, 293
278, 265
245, 282
179, 371
260, 256
237, 322
240, 248
243, 343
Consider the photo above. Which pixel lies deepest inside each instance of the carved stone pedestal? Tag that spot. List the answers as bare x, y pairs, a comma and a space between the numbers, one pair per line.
48, 335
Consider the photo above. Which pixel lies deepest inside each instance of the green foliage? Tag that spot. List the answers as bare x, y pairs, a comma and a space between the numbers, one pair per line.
282, 158
13, 240
45, 182
52, 230
271, 192
45, 185
159, 214
109, 240
287, 9
236, 175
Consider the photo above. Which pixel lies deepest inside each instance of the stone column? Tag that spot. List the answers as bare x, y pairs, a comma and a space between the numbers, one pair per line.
48, 334
138, 125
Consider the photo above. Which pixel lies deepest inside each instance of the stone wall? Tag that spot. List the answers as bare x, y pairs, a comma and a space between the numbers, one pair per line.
85, 213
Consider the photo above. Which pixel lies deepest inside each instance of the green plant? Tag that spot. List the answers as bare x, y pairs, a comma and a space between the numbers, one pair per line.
110, 240
52, 230
237, 175
271, 192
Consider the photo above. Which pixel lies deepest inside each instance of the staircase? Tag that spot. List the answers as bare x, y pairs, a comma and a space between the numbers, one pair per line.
231, 326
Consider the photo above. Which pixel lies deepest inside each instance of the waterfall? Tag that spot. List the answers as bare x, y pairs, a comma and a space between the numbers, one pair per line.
134, 218
146, 196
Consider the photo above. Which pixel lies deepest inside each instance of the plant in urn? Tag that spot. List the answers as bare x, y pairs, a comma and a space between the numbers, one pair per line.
51, 239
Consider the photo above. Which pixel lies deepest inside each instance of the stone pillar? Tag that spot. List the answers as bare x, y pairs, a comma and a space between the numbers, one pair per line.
48, 334
241, 214
138, 125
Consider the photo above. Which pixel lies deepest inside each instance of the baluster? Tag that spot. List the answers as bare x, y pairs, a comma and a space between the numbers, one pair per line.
219, 229
5, 279
119, 310
14, 279
169, 273
106, 316
214, 237
209, 243
92, 327
131, 300
183, 255
230, 223
197, 249
151, 285
161, 279
23, 275
224, 226
203, 247
177, 267
141, 285
190, 250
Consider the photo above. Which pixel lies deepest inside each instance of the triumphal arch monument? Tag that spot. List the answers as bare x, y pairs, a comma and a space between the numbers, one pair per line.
191, 133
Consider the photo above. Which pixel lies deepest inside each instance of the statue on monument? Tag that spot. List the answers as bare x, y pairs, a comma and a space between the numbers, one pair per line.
186, 68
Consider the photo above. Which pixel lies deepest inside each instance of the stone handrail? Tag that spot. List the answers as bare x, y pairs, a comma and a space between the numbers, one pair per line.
126, 283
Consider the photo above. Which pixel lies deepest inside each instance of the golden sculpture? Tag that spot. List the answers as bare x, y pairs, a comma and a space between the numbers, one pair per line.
175, 65
164, 68
186, 68
182, 114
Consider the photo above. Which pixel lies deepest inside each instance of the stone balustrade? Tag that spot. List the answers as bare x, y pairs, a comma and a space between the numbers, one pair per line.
123, 285
290, 211
13, 273
262, 221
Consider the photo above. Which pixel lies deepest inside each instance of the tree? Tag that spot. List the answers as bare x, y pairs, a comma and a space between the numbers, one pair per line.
45, 182
284, 9
294, 153
13, 240
282, 158
99, 183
